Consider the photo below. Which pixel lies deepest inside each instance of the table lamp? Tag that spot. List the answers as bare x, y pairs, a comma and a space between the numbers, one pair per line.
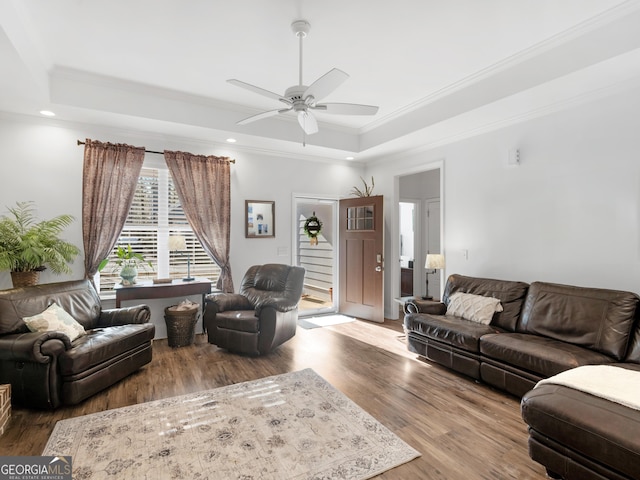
435, 261
177, 243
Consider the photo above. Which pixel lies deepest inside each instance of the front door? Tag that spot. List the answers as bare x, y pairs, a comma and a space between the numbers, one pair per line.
361, 264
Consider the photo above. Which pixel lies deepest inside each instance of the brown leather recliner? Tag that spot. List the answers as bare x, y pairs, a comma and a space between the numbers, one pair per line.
262, 316
46, 369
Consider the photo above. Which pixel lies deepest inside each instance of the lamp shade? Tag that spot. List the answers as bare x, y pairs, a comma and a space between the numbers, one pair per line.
177, 242
434, 261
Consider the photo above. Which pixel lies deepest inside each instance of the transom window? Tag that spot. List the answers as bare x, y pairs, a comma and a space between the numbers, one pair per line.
156, 214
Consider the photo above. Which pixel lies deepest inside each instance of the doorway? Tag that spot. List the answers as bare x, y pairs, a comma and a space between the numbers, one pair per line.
319, 259
432, 235
423, 190
408, 211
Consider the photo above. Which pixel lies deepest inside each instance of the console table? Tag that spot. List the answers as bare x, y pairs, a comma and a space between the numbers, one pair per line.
149, 290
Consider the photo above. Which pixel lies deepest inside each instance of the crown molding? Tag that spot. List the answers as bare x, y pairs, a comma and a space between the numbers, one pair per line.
606, 18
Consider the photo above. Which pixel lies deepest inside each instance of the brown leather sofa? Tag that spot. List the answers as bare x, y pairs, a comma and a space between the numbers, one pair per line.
543, 330
262, 316
46, 369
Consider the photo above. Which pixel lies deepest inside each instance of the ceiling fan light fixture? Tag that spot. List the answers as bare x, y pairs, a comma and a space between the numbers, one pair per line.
307, 122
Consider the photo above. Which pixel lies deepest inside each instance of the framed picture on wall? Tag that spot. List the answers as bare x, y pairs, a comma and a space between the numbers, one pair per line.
260, 219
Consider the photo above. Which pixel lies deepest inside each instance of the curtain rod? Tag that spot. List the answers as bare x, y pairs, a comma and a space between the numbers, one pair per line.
230, 160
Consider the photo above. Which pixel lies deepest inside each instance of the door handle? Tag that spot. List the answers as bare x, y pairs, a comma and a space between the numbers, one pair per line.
378, 268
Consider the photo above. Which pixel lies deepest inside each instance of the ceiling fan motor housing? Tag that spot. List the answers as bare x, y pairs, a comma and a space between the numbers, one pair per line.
300, 28
295, 95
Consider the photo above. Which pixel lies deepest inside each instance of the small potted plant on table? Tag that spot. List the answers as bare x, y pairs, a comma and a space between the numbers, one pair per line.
127, 261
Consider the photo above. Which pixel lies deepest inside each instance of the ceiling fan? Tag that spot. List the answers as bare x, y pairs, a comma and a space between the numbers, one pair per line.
302, 99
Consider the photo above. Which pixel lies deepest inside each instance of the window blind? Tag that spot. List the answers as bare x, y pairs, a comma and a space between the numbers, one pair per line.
154, 215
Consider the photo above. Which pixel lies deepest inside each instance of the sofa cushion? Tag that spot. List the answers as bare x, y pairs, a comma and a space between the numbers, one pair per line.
102, 345
633, 352
539, 355
454, 331
261, 281
511, 295
475, 308
78, 298
598, 319
239, 320
55, 319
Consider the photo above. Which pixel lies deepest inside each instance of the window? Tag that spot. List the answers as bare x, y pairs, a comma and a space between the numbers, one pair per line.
154, 215
360, 218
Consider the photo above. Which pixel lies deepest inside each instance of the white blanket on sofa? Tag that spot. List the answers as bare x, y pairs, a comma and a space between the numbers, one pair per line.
616, 384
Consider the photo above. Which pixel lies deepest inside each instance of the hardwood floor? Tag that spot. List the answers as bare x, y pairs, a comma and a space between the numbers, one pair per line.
464, 430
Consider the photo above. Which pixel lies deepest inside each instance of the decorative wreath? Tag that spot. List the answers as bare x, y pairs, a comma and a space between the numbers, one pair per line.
312, 227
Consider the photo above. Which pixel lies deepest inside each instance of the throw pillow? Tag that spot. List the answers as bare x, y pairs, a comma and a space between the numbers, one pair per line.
55, 319
475, 308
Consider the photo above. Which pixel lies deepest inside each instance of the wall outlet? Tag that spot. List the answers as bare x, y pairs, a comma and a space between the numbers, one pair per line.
465, 254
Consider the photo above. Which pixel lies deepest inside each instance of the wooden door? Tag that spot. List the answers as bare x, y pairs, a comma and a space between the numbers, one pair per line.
361, 251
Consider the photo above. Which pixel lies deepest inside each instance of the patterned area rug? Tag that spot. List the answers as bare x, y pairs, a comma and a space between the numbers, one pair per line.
290, 426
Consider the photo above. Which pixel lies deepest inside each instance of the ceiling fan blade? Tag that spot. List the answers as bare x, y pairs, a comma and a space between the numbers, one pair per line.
258, 90
308, 122
325, 84
260, 116
347, 108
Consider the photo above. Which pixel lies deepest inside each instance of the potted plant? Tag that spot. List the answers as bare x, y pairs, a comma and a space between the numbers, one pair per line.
127, 261
27, 246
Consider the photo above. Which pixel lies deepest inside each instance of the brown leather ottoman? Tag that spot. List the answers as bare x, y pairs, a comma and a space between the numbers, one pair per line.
576, 435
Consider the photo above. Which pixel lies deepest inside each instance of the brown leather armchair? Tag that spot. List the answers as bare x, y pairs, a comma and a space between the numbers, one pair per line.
259, 318
46, 369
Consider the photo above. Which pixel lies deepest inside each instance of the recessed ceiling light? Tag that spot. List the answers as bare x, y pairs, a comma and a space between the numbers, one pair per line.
231, 140
47, 113
349, 158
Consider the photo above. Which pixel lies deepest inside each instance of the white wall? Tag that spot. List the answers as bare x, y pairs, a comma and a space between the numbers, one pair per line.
420, 186
569, 213
40, 161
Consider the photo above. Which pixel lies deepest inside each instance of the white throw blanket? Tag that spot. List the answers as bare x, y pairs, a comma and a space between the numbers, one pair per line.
619, 385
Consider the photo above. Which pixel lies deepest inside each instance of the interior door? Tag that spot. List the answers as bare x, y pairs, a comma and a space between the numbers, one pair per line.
433, 244
361, 237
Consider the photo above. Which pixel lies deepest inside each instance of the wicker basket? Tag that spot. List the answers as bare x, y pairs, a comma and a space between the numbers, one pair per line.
25, 279
181, 325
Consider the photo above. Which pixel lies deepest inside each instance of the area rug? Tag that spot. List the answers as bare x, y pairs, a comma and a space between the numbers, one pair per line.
324, 321
290, 426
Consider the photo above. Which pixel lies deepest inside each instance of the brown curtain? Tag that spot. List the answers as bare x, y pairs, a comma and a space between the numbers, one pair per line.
110, 176
203, 185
